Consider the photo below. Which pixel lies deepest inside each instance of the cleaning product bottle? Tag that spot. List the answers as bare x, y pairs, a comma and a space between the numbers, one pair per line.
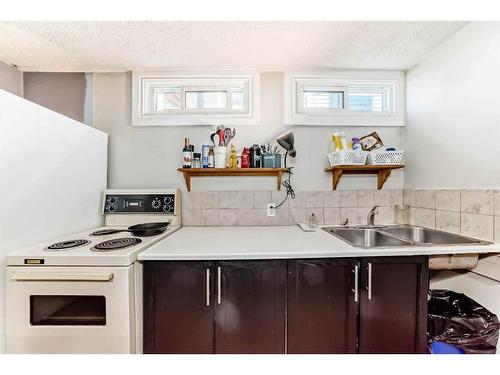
233, 157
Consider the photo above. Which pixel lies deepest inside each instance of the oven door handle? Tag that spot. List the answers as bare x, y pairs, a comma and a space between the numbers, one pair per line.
66, 276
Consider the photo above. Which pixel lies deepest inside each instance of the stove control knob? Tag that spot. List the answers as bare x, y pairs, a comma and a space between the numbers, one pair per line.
156, 204
167, 200
113, 200
167, 208
111, 208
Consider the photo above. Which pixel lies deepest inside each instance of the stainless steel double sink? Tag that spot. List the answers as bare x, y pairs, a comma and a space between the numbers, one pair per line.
399, 236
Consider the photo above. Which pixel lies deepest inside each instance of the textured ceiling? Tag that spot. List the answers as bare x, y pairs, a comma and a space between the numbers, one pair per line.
120, 46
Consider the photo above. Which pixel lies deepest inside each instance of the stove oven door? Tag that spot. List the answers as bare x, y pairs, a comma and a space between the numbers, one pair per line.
70, 310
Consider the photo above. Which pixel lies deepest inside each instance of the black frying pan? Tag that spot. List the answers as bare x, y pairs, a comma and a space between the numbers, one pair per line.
140, 230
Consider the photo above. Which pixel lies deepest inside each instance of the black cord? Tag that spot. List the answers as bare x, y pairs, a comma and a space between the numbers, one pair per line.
288, 186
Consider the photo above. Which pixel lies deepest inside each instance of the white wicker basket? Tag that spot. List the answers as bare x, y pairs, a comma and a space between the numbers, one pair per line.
347, 157
385, 157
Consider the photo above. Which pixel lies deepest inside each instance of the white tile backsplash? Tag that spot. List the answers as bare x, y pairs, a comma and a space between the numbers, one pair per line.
425, 198
496, 201
227, 199
314, 199
348, 198
477, 225
366, 198
282, 217
497, 229
448, 221
244, 199
210, 217
297, 215
300, 200
331, 198
262, 198
317, 212
385, 216
331, 215
209, 199
425, 217
191, 217
477, 201
448, 200
465, 211
191, 199
227, 217
383, 198
278, 196
261, 217
349, 213
397, 197
245, 217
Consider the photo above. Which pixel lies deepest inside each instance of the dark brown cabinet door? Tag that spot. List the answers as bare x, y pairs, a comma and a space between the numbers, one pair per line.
178, 307
250, 307
322, 306
393, 309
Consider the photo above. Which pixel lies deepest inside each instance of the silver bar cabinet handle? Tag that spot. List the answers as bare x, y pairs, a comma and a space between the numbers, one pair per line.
219, 300
207, 282
369, 281
356, 283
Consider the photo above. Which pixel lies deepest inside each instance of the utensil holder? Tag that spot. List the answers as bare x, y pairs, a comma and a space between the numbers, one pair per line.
268, 161
220, 157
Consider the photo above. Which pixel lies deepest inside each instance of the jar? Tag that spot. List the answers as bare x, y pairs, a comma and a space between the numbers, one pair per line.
220, 156
196, 160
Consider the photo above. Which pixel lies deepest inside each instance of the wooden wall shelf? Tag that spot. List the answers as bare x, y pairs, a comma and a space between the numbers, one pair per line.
382, 171
232, 172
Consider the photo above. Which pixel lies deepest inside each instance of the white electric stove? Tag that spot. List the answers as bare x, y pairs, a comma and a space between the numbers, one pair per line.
83, 293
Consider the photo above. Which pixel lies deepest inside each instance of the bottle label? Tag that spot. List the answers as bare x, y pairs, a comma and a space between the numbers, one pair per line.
186, 159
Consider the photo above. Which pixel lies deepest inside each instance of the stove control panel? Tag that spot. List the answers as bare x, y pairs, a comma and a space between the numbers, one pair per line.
151, 203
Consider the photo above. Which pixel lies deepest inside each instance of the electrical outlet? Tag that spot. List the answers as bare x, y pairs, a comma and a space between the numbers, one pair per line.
271, 209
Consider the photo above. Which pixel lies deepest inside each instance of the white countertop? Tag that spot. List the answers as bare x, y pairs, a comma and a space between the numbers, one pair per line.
278, 242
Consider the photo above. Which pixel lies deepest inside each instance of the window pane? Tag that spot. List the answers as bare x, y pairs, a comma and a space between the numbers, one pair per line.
366, 101
206, 99
237, 100
168, 100
323, 99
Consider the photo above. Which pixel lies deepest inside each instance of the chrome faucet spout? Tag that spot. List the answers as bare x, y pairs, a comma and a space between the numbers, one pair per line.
371, 216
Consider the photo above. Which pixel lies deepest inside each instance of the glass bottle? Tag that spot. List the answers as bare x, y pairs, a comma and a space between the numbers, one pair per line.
186, 155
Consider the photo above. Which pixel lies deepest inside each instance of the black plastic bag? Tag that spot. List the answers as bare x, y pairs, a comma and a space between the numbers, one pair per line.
457, 319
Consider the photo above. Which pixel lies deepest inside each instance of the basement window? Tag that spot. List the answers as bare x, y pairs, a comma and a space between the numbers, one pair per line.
347, 98
195, 98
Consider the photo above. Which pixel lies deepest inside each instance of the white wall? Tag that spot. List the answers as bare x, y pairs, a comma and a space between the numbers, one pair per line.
147, 157
52, 174
452, 135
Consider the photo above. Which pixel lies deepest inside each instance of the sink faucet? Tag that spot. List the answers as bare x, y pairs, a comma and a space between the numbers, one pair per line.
345, 223
371, 216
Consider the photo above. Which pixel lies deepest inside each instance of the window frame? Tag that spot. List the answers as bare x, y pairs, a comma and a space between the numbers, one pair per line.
144, 84
297, 82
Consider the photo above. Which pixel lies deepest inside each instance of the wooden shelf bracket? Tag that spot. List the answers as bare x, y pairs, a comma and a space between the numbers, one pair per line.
382, 171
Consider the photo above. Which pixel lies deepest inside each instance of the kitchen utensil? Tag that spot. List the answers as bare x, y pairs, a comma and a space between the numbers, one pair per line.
140, 230
212, 138
227, 136
220, 133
